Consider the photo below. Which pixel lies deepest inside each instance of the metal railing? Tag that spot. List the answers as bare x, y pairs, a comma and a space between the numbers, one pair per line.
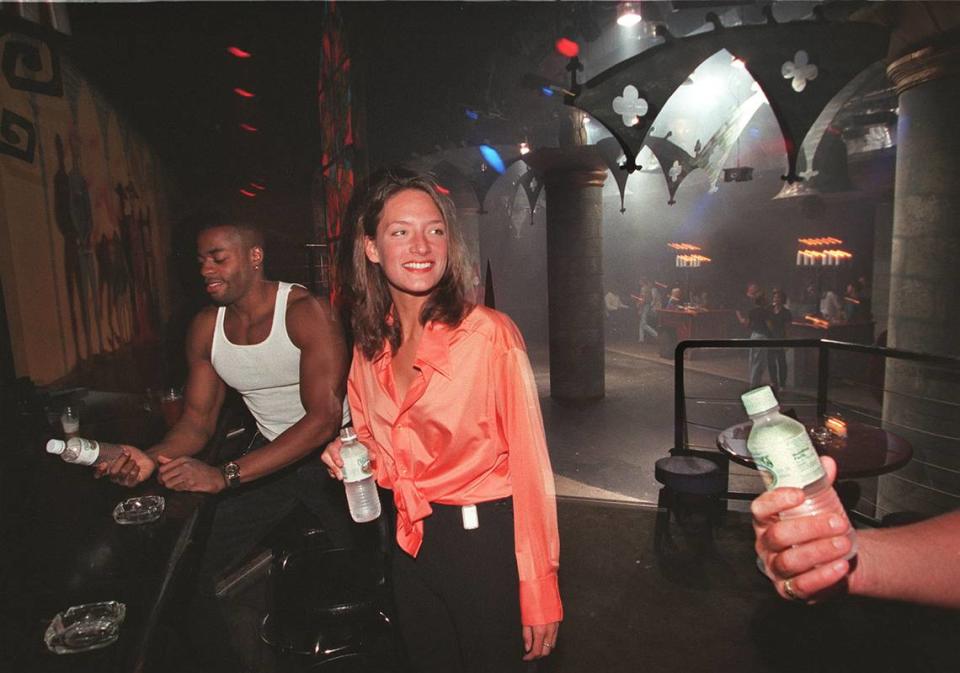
823, 346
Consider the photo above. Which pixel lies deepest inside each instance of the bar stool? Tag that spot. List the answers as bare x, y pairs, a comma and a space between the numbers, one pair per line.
690, 484
325, 604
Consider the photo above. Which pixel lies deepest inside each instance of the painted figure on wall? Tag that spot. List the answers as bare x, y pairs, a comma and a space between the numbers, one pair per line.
114, 287
75, 221
136, 238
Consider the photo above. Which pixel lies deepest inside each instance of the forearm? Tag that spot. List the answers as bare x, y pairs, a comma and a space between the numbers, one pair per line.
311, 432
918, 563
186, 438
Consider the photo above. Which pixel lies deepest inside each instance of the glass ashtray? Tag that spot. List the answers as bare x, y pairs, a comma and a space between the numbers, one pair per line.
85, 627
141, 509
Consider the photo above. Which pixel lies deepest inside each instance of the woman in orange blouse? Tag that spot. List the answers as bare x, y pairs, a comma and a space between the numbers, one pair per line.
442, 393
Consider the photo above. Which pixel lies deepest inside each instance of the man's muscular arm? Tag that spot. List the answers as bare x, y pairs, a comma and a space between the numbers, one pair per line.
323, 369
203, 395
323, 361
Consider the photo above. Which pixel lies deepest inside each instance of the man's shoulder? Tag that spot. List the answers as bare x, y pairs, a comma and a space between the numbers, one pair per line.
304, 305
206, 320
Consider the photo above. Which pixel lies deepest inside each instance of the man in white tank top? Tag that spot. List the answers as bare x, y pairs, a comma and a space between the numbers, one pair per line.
284, 352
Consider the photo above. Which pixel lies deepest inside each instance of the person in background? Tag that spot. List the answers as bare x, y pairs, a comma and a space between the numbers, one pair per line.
778, 317
443, 395
616, 313
647, 305
803, 557
854, 307
753, 316
675, 300
830, 307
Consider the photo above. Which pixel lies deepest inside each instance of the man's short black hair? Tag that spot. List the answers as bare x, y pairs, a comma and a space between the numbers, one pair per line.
249, 231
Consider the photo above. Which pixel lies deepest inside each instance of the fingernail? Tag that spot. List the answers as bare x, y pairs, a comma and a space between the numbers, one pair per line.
835, 522
839, 543
840, 566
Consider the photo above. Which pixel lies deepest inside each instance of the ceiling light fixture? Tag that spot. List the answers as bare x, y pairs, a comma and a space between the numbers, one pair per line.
628, 14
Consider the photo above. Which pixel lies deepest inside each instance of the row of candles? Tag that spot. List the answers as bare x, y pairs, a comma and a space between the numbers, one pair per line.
822, 257
691, 260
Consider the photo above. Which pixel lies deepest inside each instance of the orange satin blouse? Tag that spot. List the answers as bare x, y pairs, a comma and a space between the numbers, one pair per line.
469, 430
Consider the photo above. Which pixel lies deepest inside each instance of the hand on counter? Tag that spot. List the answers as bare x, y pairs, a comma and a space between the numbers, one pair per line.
131, 468
189, 474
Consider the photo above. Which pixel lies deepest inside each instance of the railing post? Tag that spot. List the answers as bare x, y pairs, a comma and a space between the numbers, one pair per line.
679, 407
823, 379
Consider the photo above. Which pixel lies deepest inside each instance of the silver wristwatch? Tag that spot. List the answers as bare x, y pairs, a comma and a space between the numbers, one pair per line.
231, 474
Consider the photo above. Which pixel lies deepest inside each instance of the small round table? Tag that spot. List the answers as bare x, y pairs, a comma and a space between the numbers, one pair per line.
866, 451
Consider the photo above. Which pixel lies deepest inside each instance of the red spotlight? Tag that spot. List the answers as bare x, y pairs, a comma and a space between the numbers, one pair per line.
257, 185
567, 47
248, 194
238, 52
443, 190
248, 128
243, 92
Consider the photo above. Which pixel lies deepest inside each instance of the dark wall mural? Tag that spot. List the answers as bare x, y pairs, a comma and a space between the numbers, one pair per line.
84, 223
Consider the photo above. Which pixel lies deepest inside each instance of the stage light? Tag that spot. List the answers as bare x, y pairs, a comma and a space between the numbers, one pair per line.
248, 128
567, 47
238, 52
247, 193
524, 148
243, 93
492, 158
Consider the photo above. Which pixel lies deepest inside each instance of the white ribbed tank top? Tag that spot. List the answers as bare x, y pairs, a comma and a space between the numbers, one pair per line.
266, 374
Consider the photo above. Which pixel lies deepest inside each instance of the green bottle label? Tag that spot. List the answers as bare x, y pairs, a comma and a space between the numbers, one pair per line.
784, 455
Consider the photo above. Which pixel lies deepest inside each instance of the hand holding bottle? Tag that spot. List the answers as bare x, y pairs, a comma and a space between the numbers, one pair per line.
130, 468
807, 551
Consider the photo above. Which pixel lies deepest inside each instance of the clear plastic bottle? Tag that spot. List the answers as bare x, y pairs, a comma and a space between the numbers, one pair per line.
362, 497
83, 451
785, 456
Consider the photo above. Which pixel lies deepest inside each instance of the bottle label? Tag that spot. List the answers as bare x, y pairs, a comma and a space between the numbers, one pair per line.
89, 451
791, 461
356, 465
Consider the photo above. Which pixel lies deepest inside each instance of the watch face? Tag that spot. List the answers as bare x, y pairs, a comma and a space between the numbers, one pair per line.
232, 472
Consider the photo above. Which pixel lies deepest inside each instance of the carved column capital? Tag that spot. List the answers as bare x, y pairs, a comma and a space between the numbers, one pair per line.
924, 65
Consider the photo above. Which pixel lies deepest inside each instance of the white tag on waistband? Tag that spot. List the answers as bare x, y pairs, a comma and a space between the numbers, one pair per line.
470, 519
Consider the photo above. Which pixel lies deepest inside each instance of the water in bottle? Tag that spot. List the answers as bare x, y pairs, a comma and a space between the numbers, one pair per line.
83, 451
358, 478
785, 456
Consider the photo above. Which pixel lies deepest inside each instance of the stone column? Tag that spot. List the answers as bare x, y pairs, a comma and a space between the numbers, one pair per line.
573, 178
924, 279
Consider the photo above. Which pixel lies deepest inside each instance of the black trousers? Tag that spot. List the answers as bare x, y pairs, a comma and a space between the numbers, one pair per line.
458, 603
242, 519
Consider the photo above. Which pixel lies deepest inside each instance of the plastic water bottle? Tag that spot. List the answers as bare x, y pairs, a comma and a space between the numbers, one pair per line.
84, 451
358, 478
785, 456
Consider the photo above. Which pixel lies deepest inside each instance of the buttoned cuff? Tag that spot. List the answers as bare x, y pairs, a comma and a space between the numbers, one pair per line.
540, 601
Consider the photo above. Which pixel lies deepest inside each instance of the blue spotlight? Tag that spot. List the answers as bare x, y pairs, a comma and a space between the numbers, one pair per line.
492, 157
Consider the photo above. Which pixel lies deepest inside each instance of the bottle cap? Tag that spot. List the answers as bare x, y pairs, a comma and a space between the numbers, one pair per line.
347, 434
759, 400
56, 446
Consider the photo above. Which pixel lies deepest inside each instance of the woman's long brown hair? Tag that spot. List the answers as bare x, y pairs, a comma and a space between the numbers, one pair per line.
364, 286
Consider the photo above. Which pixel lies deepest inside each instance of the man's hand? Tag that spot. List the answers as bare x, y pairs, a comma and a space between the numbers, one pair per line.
539, 640
132, 467
189, 474
806, 551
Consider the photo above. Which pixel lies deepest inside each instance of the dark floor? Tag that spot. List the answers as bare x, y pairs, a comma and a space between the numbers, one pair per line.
695, 604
